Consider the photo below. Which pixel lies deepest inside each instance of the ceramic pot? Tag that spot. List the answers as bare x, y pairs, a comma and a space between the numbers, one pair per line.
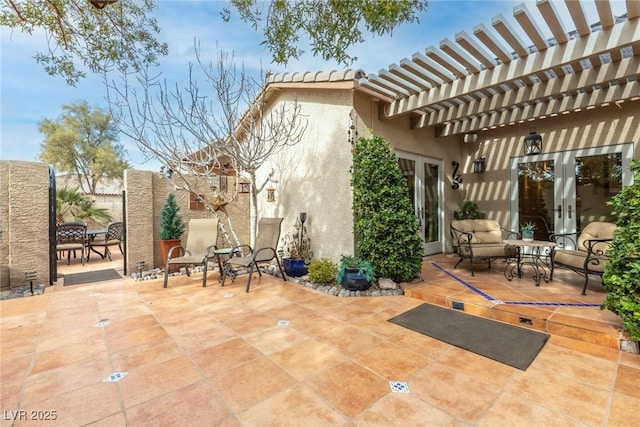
354, 281
294, 267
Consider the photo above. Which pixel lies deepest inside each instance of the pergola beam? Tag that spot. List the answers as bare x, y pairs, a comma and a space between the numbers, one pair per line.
571, 83
624, 34
580, 101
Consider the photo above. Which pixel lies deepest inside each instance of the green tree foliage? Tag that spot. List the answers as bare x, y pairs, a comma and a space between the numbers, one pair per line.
172, 226
332, 26
622, 272
386, 227
80, 36
83, 142
73, 205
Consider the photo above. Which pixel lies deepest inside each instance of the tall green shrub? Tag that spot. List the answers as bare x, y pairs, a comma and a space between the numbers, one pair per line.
172, 226
385, 225
621, 276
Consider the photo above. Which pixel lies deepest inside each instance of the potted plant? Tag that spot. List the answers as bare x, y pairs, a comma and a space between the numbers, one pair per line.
171, 226
355, 274
296, 249
527, 231
468, 210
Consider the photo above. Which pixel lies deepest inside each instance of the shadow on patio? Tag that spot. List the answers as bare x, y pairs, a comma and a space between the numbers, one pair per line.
284, 354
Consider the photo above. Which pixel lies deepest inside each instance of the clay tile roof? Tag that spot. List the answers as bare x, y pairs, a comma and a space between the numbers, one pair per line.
316, 77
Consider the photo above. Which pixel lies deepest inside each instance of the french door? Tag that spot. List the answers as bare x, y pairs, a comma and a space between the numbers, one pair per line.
563, 192
425, 182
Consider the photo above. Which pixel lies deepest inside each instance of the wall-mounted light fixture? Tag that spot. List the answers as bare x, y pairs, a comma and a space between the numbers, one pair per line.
271, 194
470, 137
533, 143
480, 165
456, 179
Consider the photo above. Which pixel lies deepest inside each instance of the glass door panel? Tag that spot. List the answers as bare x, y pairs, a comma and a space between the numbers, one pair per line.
563, 192
424, 181
536, 196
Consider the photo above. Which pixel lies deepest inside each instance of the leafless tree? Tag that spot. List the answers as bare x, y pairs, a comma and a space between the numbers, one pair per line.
204, 133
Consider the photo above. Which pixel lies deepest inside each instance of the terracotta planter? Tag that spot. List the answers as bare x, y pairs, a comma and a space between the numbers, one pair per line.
165, 247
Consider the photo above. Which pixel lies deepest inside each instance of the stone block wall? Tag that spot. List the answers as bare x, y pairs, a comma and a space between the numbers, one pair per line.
146, 192
24, 222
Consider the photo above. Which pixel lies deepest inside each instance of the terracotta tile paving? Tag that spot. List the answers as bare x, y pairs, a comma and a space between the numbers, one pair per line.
197, 356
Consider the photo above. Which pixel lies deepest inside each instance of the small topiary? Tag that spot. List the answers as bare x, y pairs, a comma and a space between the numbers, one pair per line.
385, 223
172, 226
621, 277
322, 271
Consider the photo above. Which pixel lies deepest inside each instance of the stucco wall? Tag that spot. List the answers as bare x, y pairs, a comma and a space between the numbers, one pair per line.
146, 192
313, 176
594, 128
24, 223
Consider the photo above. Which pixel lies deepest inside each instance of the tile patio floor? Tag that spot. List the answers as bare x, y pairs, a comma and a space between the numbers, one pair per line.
218, 356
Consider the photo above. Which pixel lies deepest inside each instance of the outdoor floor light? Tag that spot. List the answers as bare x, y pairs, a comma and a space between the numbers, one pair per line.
533, 143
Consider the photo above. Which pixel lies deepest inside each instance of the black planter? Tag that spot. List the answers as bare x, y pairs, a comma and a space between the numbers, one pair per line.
294, 267
354, 281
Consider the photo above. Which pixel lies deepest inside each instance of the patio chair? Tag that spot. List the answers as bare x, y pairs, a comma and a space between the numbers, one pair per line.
113, 237
72, 236
587, 255
264, 250
202, 237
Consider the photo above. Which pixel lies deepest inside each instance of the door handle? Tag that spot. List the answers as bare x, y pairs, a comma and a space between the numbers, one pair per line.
559, 211
569, 211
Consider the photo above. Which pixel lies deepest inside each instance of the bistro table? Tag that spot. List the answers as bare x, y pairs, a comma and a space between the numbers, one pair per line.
535, 254
91, 235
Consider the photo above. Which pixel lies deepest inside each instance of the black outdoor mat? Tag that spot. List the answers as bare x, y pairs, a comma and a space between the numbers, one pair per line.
508, 344
90, 276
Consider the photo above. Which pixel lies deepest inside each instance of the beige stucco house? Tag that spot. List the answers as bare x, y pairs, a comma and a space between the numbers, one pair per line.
576, 96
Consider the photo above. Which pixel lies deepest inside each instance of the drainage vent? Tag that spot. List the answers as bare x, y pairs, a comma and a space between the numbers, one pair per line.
525, 321
457, 305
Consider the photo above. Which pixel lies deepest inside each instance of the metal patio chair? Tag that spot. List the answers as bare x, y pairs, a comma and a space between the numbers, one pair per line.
113, 237
264, 250
72, 236
202, 237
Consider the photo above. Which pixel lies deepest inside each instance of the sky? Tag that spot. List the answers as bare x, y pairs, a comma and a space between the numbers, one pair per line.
29, 95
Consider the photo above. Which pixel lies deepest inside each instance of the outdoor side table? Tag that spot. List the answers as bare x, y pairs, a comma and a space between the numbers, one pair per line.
223, 266
535, 255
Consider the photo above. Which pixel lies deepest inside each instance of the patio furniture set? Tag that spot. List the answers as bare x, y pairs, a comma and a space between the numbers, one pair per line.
484, 239
75, 236
201, 248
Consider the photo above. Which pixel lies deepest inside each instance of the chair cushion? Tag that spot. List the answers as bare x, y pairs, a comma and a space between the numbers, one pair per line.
483, 230
69, 246
575, 259
482, 250
596, 230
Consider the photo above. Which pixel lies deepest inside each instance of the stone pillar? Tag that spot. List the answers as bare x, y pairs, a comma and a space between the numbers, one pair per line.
24, 227
139, 218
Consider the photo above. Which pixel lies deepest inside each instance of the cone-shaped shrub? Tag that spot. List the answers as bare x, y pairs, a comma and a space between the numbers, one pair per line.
385, 225
172, 225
